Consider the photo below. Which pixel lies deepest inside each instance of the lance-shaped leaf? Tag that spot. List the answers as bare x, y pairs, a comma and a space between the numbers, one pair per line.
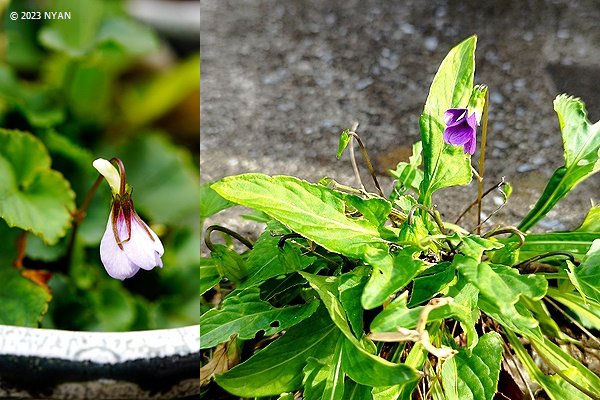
501, 286
568, 365
356, 391
327, 289
350, 289
555, 386
265, 260
245, 314
278, 367
343, 143
33, 197
211, 203
587, 275
360, 365
315, 375
588, 314
368, 369
390, 274
209, 274
581, 141
325, 379
474, 376
315, 212
473, 246
431, 282
446, 165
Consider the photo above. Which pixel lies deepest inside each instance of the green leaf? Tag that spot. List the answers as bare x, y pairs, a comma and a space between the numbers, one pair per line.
75, 39
209, 275
390, 274
576, 243
264, 261
22, 302
60, 144
148, 101
555, 386
132, 36
165, 179
245, 314
588, 314
416, 359
501, 286
356, 391
278, 367
229, 263
334, 383
587, 274
115, 308
210, 202
582, 144
568, 365
32, 196
368, 369
477, 101
431, 282
408, 175
529, 327
327, 288
315, 374
540, 312
343, 143
591, 223
397, 314
473, 246
41, 106
476, 376
350, 288
446, 165
313, 211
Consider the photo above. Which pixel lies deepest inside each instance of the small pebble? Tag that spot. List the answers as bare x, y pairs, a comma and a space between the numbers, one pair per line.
551, 224
524, 168
538, 160
407, 29
431, 43
498, 201
496, 98
519, 83
363, 83
500, 144
528, 36
499, 126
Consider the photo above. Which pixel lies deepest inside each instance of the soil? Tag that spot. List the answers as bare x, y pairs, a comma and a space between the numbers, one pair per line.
281, 80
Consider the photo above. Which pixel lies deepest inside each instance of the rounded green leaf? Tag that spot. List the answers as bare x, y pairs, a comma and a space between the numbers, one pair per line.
22, 302
32, 196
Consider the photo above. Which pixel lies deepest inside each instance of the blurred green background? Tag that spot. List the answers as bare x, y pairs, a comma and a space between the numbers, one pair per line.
102, 84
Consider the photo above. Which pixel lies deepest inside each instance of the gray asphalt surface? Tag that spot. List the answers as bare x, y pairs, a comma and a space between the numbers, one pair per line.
281, 79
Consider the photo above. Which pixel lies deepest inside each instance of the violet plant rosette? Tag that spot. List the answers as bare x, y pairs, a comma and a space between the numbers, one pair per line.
128, 243
461, 129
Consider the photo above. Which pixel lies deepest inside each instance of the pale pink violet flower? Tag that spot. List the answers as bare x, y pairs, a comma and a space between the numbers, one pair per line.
128, 243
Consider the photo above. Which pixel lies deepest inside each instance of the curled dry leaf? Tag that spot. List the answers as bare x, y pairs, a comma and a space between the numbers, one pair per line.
225, 357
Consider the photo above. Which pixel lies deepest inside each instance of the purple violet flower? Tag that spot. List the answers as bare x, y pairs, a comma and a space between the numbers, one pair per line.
128, 243
460, 129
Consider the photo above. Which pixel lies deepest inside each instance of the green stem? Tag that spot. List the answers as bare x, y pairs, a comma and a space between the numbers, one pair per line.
229, 232
482, 160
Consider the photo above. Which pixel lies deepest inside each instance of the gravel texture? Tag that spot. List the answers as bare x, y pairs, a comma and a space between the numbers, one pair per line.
281, 80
